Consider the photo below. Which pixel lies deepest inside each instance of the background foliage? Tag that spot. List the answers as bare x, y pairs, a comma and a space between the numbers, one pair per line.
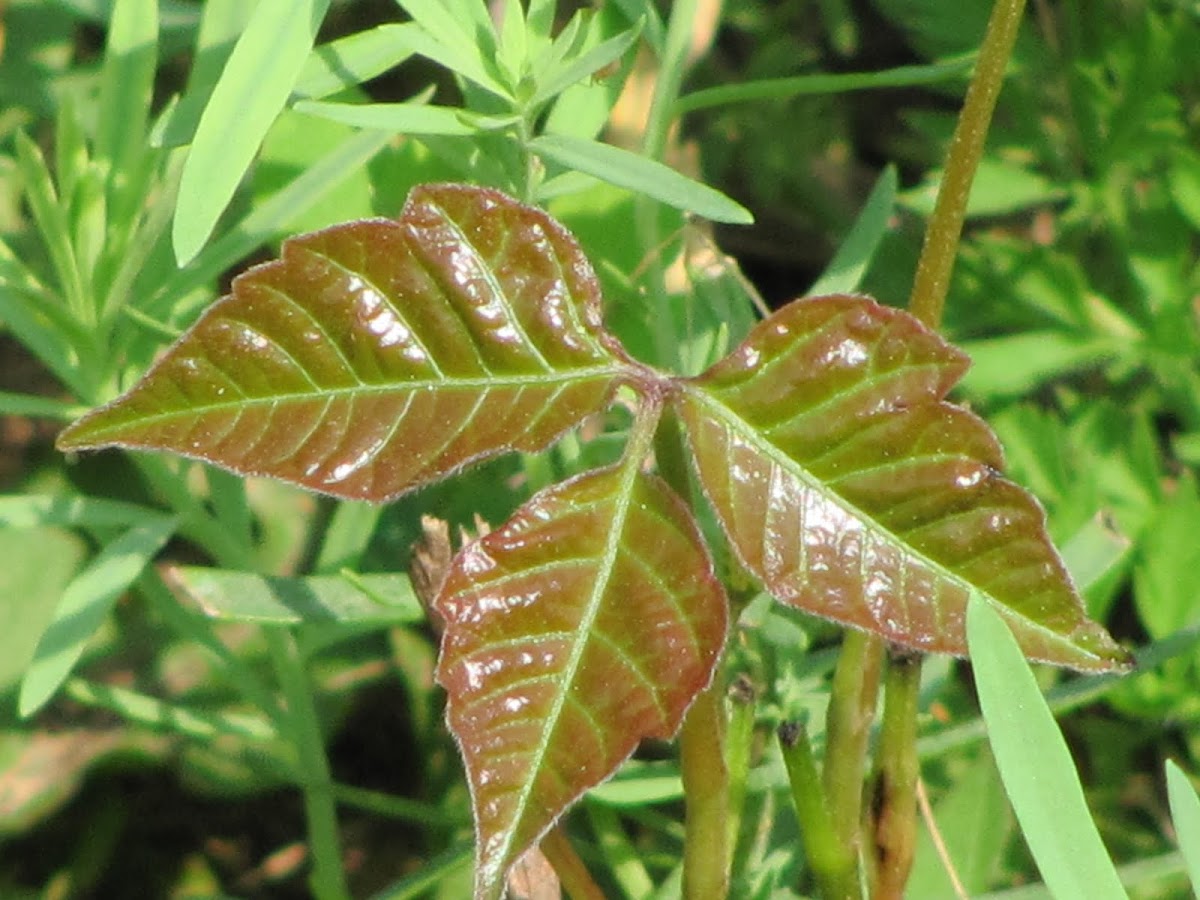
154, 770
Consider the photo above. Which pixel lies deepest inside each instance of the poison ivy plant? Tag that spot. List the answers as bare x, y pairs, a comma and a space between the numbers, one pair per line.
378, 356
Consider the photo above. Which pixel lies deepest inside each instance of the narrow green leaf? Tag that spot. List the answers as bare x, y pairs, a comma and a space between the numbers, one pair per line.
463, 40
1036, 765
555, 82
853, 491
33, 510
267, 600
399, 118
347, 537
253, 88
354, 59
150, 712
221, 22
270, 217
378, 356
513, 53
845, 271
637, 173
635, 10
800, 85
51, 220
85, 603
1185, 816
31, 405
44, 328
586, 623
126, 86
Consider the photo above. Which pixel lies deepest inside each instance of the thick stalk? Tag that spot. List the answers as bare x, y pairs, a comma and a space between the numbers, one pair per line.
945, 226
328, 880
833, 865
848, 730
893, 822
706, 854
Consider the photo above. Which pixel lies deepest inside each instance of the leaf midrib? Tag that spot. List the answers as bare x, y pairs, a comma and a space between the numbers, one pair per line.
567, 675
722, 413
241, 402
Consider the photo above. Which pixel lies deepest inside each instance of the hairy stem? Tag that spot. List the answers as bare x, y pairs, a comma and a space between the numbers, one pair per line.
706, 854
893, 823
848, 730
328, 881
945, 226
833, 864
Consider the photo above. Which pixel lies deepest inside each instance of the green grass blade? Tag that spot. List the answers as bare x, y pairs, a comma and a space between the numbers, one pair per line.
126, 86
84, 605
161, 716
230, 596
12, 404
254, 87
849, 264
576, 70
354, 59
51, 220
1185, 814
221, 22
33, 510
462, 40
800, 85
642, 175
1036, 765
400, 118
271, 216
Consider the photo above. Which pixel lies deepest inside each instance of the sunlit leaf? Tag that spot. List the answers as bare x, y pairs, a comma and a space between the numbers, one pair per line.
1036, 766
587, 622
379, 355
848, 486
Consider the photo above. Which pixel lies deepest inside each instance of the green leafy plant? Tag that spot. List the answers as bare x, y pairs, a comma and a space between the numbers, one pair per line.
377, 356
679, 470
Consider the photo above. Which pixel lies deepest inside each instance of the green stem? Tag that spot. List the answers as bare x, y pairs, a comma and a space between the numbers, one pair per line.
706, 854
707, 787
328, 881
848, 730
833, 864
945, 226
894, 788
739, 744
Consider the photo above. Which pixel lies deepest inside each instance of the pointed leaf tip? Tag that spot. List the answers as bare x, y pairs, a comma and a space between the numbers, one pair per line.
379, 355
588, 622
853, 491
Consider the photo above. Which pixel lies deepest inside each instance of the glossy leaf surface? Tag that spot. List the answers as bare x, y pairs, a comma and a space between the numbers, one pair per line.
587, 622
376, 356
853, 491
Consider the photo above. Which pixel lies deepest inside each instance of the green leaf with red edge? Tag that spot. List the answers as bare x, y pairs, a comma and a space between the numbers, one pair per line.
853, 491
588, 622
379, 355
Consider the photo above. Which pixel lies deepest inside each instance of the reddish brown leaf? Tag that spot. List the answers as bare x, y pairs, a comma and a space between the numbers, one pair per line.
587, 622
848, 486
376, 356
